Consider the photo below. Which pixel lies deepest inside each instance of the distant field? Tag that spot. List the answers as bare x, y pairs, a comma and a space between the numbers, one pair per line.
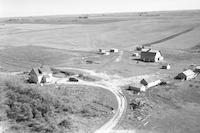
123, 31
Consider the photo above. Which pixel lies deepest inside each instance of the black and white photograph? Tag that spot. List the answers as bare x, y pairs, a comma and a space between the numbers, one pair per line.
99, 66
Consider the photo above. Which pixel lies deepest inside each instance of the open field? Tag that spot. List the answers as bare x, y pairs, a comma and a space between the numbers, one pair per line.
73, 41
122, 31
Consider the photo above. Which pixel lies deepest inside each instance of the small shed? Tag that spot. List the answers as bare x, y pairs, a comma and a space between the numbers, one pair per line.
197, 69
150, 82
102, 50
114, 50
166, 66
137, 88
150, 55
135, 54
186, 75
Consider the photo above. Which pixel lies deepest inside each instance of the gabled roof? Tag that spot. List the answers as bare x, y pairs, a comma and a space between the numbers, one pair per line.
45, 69
40, 70
197, 67
35, 70
150, 51
188, 72
150, 80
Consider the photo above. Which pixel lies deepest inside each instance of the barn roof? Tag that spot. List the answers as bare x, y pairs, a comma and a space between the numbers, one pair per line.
197, 67
150, 51
150, 80
45, 69
39, 70
188, 72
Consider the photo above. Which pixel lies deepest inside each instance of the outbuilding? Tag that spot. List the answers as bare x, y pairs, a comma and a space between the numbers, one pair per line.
114, 50
150, 82
135, 54
40, 75
150, 55
197, 69
166, 66
102, 50
137, 88
186, 75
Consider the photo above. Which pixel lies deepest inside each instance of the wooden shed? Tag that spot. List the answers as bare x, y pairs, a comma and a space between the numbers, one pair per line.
150, 82
186, 75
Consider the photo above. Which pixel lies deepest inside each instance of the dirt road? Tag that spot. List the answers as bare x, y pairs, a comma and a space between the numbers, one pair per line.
106, 84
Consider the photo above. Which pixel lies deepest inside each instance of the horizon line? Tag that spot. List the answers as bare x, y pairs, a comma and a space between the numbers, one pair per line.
99, 13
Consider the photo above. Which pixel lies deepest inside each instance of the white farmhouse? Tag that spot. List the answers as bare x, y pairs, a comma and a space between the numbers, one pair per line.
40, 75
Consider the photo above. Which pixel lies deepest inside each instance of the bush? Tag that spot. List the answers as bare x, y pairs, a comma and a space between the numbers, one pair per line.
33, 109
65, 123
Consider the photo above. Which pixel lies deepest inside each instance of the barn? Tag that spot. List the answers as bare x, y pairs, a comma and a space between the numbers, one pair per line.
40, 75
150, 82
186, 75
137, 88
150, 55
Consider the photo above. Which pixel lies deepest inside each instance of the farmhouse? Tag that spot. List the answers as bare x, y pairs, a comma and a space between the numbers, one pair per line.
40, 75
186, 75
150, 82
150, 55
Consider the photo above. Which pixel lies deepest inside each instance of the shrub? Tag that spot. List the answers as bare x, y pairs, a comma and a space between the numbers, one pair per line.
33, 109
65, 123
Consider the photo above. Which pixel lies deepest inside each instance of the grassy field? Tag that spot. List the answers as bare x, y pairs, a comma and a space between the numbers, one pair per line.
122, 31
172, 108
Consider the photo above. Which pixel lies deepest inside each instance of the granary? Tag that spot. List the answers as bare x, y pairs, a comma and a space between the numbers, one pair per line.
114, 50
166, 66
150, 55
186, 75
150, 82
197, 69
137, 88
40, 75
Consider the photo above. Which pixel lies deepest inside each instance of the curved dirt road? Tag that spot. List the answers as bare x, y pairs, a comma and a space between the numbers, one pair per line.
121, 99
